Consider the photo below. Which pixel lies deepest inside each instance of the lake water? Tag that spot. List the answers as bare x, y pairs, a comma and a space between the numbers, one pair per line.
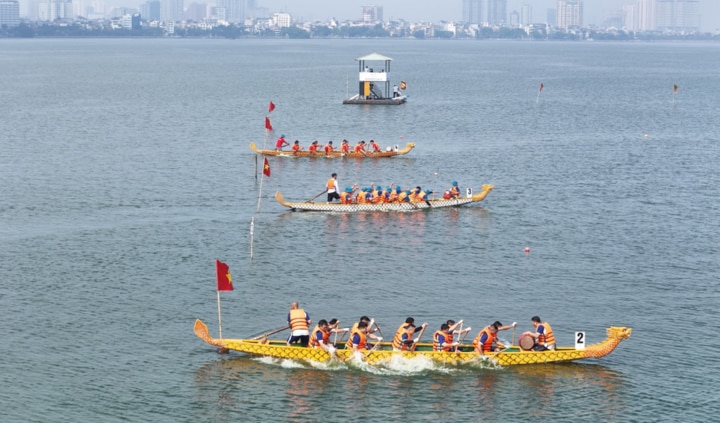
125, 172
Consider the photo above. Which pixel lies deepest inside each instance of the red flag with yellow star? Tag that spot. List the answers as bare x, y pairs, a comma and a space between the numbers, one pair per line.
223, 276
266, 167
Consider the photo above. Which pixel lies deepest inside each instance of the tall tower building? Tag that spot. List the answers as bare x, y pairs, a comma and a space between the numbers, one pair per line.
526, 14
372, 14
678, 15
9, 13
472, 11
569, 13
497, 12
171, 10
234, 10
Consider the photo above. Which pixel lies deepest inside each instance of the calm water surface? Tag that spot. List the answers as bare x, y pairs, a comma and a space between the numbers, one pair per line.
125, 172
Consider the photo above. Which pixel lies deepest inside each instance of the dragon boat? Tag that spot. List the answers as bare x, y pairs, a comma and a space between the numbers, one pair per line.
438, 203
335, 154
383, 351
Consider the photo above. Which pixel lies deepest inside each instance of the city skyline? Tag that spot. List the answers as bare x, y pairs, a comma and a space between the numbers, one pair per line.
594, 11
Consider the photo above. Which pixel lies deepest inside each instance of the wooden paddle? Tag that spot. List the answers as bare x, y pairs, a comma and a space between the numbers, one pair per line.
317, 196
414, 345
272, 332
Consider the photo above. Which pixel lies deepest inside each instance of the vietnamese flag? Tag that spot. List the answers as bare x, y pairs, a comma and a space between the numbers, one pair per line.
268, 126
266, 167
223, 276
271, 107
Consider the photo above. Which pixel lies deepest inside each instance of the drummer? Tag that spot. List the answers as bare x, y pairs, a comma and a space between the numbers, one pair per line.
544, 337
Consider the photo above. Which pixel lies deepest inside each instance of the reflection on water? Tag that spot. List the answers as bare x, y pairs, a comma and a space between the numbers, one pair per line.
245, 386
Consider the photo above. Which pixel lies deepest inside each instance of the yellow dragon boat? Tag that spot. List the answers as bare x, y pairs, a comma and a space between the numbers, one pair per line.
383, 352
438, 203
335, 154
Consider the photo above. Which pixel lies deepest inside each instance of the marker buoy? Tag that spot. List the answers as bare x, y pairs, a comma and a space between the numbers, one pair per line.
527, 250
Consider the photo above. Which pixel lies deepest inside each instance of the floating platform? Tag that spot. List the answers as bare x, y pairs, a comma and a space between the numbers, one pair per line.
374, 83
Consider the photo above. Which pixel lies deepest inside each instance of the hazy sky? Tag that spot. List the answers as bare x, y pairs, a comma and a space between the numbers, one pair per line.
437, 10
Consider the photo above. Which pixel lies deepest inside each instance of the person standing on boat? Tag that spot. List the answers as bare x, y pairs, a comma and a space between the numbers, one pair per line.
280, 143
487, 341
544, 337
403, 339
299, 322
332, 188
396, 91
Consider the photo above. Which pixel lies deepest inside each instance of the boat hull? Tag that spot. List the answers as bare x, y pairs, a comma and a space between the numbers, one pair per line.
383, 207
383, 352
335, 154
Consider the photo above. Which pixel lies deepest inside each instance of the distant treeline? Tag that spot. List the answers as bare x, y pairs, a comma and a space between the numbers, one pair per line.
100, 29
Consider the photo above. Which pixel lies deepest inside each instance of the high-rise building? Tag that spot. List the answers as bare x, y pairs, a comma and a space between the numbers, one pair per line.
49, 10
473, 11
9, 13
196, 12
372, 14
678, 15
526, 14
640, 16
171, 10
497, 12
234, 10
150, 10
569, 13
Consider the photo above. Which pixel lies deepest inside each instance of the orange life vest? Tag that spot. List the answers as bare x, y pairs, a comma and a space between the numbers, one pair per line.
362, 345
346, 197
313, 337
331, 184
313, 148
375, 147
328, 149
547, 337
487, 345
436, 342
455, 191
378, 197
296, 147
402, 197
345, 147
362, 197
404, 329
359, 148
298, 321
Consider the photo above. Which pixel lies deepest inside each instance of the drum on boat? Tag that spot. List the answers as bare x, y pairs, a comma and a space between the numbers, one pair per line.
526, 342
447, 195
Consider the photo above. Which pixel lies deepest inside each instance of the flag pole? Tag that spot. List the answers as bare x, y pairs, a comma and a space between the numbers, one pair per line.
219, 315
252, 236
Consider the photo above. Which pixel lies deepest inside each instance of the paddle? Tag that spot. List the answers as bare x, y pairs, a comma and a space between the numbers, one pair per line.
272, 332
317, 196
418, 338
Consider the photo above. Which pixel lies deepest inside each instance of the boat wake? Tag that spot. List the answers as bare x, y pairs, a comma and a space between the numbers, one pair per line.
395, 366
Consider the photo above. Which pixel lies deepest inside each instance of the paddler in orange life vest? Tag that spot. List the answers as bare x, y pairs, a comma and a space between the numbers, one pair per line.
299, 322
296, 146
328, 148
544, 337
453, 331
314, 147
403, 340
358, 338
375, 147
453, 192
320, 336
360, 147
370, 332
345, 147
346, 197
486, 340
443, 341
333, 191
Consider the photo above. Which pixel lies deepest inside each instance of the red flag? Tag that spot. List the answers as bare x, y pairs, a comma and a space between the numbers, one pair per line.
541, 86
223, 276
271, 107
403, 85
268, 126
266, 167
675, 88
